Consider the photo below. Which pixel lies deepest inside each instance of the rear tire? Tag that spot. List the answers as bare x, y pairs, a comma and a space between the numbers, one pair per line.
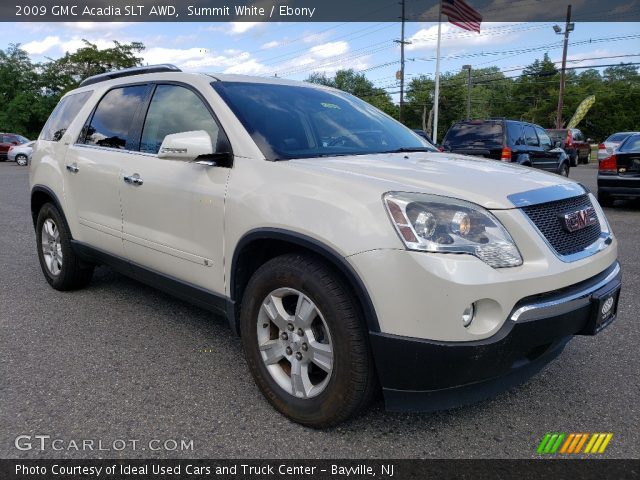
61, 266
305, 342
605, 200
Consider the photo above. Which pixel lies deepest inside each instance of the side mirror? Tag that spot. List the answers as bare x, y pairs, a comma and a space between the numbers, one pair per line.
557, 144
186, 146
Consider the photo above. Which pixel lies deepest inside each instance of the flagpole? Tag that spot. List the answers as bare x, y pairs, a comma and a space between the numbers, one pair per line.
437, 91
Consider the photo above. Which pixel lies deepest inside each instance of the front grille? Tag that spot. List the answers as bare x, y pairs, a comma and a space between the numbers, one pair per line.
547, 217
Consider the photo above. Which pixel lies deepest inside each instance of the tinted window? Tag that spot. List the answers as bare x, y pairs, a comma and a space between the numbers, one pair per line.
530, 136
113, 119
632, 144
63, 115
577, 135
175, 109
515, 133
483, 134
544, 139
304, 122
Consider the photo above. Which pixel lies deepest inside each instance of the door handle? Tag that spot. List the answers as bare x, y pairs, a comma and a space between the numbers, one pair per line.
133, 179
73, 168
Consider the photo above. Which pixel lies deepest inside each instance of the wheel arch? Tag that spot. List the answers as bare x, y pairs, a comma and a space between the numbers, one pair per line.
260, 245
41, 195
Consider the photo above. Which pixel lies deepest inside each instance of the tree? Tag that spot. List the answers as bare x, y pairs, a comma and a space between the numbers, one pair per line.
64, 74
29, 92
358, 85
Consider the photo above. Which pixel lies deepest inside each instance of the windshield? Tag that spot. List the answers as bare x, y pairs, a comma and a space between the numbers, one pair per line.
289, 122
557, 135
617, 137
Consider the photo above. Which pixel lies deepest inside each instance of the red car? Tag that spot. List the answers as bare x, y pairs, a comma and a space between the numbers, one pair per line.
573, 142
8, 140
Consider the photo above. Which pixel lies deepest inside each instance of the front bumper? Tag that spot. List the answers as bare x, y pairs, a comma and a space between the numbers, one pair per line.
425, 375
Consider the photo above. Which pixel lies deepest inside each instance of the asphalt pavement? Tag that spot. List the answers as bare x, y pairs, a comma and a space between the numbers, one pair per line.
121, 362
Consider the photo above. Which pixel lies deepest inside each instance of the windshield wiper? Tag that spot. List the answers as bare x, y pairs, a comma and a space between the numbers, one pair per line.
410, 149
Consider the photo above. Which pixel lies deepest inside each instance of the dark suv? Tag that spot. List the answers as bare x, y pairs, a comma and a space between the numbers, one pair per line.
509, 141
573, 142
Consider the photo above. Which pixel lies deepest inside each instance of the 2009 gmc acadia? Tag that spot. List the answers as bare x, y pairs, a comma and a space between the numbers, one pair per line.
346, 251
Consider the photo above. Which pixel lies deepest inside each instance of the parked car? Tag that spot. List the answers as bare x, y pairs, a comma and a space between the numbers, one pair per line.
606, 148
369, 260
619, 174
573, 142
8, 140
424, 135
509, 141
21, 154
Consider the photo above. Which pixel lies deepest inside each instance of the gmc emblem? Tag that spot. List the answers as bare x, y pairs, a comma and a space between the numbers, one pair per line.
579, 219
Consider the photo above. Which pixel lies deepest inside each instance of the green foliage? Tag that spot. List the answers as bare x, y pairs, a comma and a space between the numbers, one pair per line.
29, 92
531, 96
357, 84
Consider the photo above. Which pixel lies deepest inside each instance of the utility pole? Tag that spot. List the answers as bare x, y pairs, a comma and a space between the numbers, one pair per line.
568, 27
402, 44
468, 69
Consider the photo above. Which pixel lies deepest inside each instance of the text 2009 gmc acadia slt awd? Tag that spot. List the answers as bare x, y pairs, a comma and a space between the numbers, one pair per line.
346, 251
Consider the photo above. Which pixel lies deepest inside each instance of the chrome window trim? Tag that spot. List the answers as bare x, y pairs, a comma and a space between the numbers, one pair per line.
563, 305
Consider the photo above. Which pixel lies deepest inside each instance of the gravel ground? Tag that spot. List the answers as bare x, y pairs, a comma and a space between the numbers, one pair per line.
121, 361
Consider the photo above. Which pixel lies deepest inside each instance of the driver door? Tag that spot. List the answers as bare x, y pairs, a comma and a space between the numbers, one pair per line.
173, 215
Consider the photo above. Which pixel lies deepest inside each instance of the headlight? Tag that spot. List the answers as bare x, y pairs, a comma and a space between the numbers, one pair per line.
432, 223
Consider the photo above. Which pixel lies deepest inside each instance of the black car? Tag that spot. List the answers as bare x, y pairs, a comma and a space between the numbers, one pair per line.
619, 174
509, 141
424, 135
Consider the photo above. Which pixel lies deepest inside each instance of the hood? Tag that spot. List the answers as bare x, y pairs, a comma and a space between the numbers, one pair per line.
488, 183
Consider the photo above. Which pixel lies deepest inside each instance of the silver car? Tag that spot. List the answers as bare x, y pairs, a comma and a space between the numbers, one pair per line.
21, 154
606, 148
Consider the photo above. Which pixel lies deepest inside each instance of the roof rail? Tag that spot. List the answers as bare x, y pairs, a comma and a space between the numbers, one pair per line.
165, 67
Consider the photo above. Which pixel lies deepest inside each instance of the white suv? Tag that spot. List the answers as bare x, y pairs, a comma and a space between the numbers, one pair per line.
347, 252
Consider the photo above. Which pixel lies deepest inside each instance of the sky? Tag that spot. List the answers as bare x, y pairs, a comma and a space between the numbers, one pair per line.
295, 50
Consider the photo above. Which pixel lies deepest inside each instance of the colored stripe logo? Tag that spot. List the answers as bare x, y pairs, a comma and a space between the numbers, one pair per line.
574, 443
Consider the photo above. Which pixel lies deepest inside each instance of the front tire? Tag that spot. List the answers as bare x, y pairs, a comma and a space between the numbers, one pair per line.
574, 159
605, 200
22, 160
305, 341
564, 170
60, 265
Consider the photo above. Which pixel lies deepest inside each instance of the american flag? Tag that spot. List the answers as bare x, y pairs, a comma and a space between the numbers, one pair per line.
462, 15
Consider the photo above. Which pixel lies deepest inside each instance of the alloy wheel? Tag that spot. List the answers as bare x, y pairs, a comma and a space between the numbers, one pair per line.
51, 247
295, 343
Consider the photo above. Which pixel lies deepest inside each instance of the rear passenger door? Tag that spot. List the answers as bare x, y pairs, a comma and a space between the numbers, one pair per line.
94, 163
173, 218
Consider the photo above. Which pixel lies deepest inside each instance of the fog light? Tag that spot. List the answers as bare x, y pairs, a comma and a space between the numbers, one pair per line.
467, 315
